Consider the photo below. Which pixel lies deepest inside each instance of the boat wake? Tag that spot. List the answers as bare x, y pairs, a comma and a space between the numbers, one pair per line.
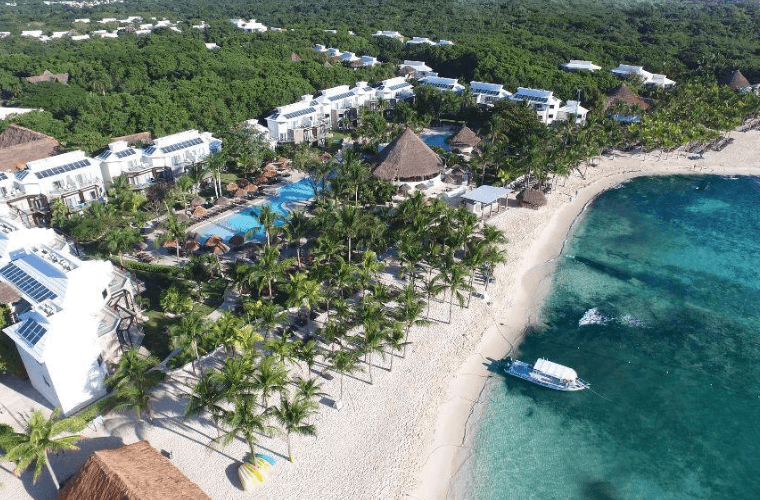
594, 317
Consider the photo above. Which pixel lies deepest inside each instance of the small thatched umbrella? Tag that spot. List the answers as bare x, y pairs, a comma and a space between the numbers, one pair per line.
197, 201
213, 240
183, 217
269, 171
231, 187
243, 183
261, 180
191, 246
222, 201
169, 244
421, 186
404, 189
241, 193
236, 241
8, 294
199, 212
532, 198
220, 248
252, 188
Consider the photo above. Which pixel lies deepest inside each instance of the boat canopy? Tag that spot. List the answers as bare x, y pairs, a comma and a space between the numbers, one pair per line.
555, 370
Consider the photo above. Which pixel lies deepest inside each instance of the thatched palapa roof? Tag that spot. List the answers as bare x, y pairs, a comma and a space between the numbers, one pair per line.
133, 472
8, 294
19, 145
199, 211
623, 94
531, 197
464, 138
143, 137
222, 201
407, 158
47, 76
294, 57
197, 201
736, 81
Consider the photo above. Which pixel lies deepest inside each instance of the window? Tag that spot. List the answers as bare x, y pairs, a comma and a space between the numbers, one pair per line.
57, 185
105, 293
100, 360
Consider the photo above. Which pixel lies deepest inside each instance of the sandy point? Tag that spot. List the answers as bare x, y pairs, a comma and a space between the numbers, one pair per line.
535, 239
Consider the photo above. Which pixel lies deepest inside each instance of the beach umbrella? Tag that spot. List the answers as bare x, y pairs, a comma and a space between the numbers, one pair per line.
222, 201
199, 211
197, 201
184, 217
240, 193
231, 187
421, 186
191, 246
220, 248
236, 241
213, 240
251, 188
169, 244
532, 198
261, 180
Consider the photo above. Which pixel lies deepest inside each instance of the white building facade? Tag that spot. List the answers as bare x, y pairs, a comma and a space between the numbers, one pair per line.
542, 101
647, 78
577, 65
70, 316
488, 93
443, 84
421, 70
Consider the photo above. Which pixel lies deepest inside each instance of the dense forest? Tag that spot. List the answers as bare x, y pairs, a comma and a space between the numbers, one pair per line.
169, 81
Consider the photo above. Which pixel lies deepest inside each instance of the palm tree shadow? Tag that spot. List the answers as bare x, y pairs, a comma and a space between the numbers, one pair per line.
232, 475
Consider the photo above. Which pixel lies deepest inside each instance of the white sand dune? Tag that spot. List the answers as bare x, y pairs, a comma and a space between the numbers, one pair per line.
404, 436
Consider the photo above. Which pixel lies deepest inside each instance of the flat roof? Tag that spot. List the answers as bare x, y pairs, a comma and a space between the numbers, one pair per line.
486, 194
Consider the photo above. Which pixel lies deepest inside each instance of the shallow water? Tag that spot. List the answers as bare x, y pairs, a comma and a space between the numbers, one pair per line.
655, 303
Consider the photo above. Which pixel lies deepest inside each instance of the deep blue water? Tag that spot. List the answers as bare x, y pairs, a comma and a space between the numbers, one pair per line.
655, 303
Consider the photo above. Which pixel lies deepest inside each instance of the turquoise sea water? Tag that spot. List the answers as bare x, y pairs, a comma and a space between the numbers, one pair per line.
655, 302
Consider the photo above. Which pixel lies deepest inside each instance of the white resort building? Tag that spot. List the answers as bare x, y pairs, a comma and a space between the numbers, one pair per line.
390, 34
250, 26
310, 119
647, 78
488, 93
72, 177
576, 65
418, 40
416, 69
542, 101
69, 316
444, 84
394, 89
573, 109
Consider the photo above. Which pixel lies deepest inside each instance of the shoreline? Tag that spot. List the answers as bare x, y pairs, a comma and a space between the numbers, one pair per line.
449, 443
405, 435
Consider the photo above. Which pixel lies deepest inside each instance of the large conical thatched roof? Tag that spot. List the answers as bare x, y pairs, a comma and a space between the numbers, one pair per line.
464, 138
736, 81
132, 472
623, 94
407, 158
8, 294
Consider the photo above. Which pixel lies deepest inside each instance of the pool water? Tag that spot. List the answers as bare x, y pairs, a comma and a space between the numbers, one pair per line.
245, 220
436, 139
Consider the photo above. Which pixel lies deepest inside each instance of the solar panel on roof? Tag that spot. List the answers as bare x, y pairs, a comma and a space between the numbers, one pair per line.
150, 150
28, 285
20, 175
300, 112
105, 154
341, 96
125, 153
181, 145
31, 331
63, 168
400, 85
3, 176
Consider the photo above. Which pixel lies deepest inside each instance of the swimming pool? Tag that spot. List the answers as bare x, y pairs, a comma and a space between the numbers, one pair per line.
436, 139
242, 221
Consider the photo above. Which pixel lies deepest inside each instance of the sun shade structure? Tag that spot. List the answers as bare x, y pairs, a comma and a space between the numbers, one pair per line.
199, 211
407, 158
197, 201
623, 94
486, 196
133, 472
532, 198
19, 145
222, 201
465, 138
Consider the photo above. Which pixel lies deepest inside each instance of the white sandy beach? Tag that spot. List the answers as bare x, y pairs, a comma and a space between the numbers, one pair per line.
404, 436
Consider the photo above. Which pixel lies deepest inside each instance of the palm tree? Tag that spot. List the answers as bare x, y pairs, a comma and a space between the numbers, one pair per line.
304, 292
268, 377
174, 229
205, 397
225, 330
292, 415
130, 382
243, 420
349, 224
189, 336
269, 269
268, 219
38, 438
409, 310
308, 389
282, 348
266, 314
344, 362
297, 228
121, 240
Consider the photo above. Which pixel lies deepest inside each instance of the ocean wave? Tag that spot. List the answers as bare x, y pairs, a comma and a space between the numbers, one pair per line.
631, 321
593, 317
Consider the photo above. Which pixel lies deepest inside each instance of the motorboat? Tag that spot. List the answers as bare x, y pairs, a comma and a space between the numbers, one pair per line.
546, 373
